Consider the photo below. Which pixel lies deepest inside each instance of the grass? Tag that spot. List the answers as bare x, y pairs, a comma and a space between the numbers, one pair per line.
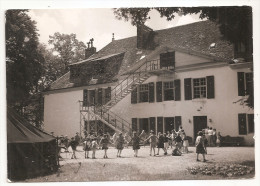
146, 167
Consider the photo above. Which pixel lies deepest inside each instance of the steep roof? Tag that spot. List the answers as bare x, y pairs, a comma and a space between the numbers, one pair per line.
194, 38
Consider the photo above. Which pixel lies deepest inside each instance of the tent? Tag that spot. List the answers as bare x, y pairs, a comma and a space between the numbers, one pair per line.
30, 151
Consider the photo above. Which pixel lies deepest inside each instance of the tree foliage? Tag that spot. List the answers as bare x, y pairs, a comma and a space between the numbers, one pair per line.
235, 22
23, 60
68, 48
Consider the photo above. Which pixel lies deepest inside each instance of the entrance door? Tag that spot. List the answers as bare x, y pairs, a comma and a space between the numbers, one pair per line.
168, 124
143, 125
199, 122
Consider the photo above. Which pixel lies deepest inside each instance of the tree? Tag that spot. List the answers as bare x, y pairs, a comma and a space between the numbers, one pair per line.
24, 64
68, 48
235, 23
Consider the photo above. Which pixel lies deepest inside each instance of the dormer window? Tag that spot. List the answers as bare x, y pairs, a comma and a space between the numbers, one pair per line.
167, 60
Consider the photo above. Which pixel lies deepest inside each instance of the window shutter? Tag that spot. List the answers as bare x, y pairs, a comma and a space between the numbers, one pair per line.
241, 83
134, 124
96, 97
99, 100
177, 90
134, 96
151, 92
187, 89
242, 124
160, 124
249, 84
159, 91
177, 122
107, 94
85, 98
210, 87
152, 123
251, 127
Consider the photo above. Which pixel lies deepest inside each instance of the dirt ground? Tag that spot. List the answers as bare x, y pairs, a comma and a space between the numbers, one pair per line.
145, 167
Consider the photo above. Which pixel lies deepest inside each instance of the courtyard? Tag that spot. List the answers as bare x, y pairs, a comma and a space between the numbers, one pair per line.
146, 167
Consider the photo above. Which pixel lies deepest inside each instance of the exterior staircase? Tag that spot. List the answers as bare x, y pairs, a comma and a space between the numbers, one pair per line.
120, 91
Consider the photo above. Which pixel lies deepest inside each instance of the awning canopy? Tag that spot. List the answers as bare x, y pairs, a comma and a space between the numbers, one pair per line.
21, 131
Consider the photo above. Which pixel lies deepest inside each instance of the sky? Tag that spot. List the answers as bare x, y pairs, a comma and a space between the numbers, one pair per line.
97, 23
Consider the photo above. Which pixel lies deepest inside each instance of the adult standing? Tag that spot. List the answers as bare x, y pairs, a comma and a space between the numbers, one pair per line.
200, 147
210, 133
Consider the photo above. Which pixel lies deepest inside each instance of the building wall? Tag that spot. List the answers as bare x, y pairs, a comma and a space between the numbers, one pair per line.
61, 112
221, 110
62, 116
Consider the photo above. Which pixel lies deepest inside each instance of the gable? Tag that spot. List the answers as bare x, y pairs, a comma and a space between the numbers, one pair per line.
183, 59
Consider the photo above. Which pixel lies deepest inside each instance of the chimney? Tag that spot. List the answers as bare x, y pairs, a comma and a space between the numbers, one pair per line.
113, 37
90, 50
144, 36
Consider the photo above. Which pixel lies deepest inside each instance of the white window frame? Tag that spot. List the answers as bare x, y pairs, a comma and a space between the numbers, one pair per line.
199, 86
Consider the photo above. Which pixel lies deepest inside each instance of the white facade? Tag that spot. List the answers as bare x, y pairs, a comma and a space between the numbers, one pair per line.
62, 113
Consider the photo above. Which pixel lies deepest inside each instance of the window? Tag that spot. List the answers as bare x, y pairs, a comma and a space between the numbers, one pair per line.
143, 93
168, 88
167, 60
199, 88
245, 83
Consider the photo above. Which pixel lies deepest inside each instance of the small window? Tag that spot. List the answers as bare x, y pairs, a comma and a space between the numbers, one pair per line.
168, 88
199, 88
143, 93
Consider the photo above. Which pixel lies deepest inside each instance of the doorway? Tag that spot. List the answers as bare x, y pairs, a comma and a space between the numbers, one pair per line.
199, 123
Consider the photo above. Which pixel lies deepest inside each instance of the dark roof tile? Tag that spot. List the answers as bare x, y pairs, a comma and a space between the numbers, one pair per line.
194, 38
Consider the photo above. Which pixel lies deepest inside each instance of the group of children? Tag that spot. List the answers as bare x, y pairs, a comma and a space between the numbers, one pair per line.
178, 140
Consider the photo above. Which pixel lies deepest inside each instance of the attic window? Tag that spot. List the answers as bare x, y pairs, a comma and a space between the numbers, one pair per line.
93, 81
167, 60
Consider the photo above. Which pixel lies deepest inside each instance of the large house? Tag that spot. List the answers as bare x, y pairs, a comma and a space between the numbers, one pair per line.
186, 75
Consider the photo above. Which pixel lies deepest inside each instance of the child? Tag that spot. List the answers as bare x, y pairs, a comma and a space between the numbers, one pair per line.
152, 139
66, 143
165, 143
200, 148
104, 143
119, 144
178, 141
205, 140
218, 142
169, 138
73, 143
136, 143
176, 152
160, 142
87, 146
185, 143
94, 147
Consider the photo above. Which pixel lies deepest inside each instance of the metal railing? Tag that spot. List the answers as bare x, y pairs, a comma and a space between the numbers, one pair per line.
110, 117
137, 76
